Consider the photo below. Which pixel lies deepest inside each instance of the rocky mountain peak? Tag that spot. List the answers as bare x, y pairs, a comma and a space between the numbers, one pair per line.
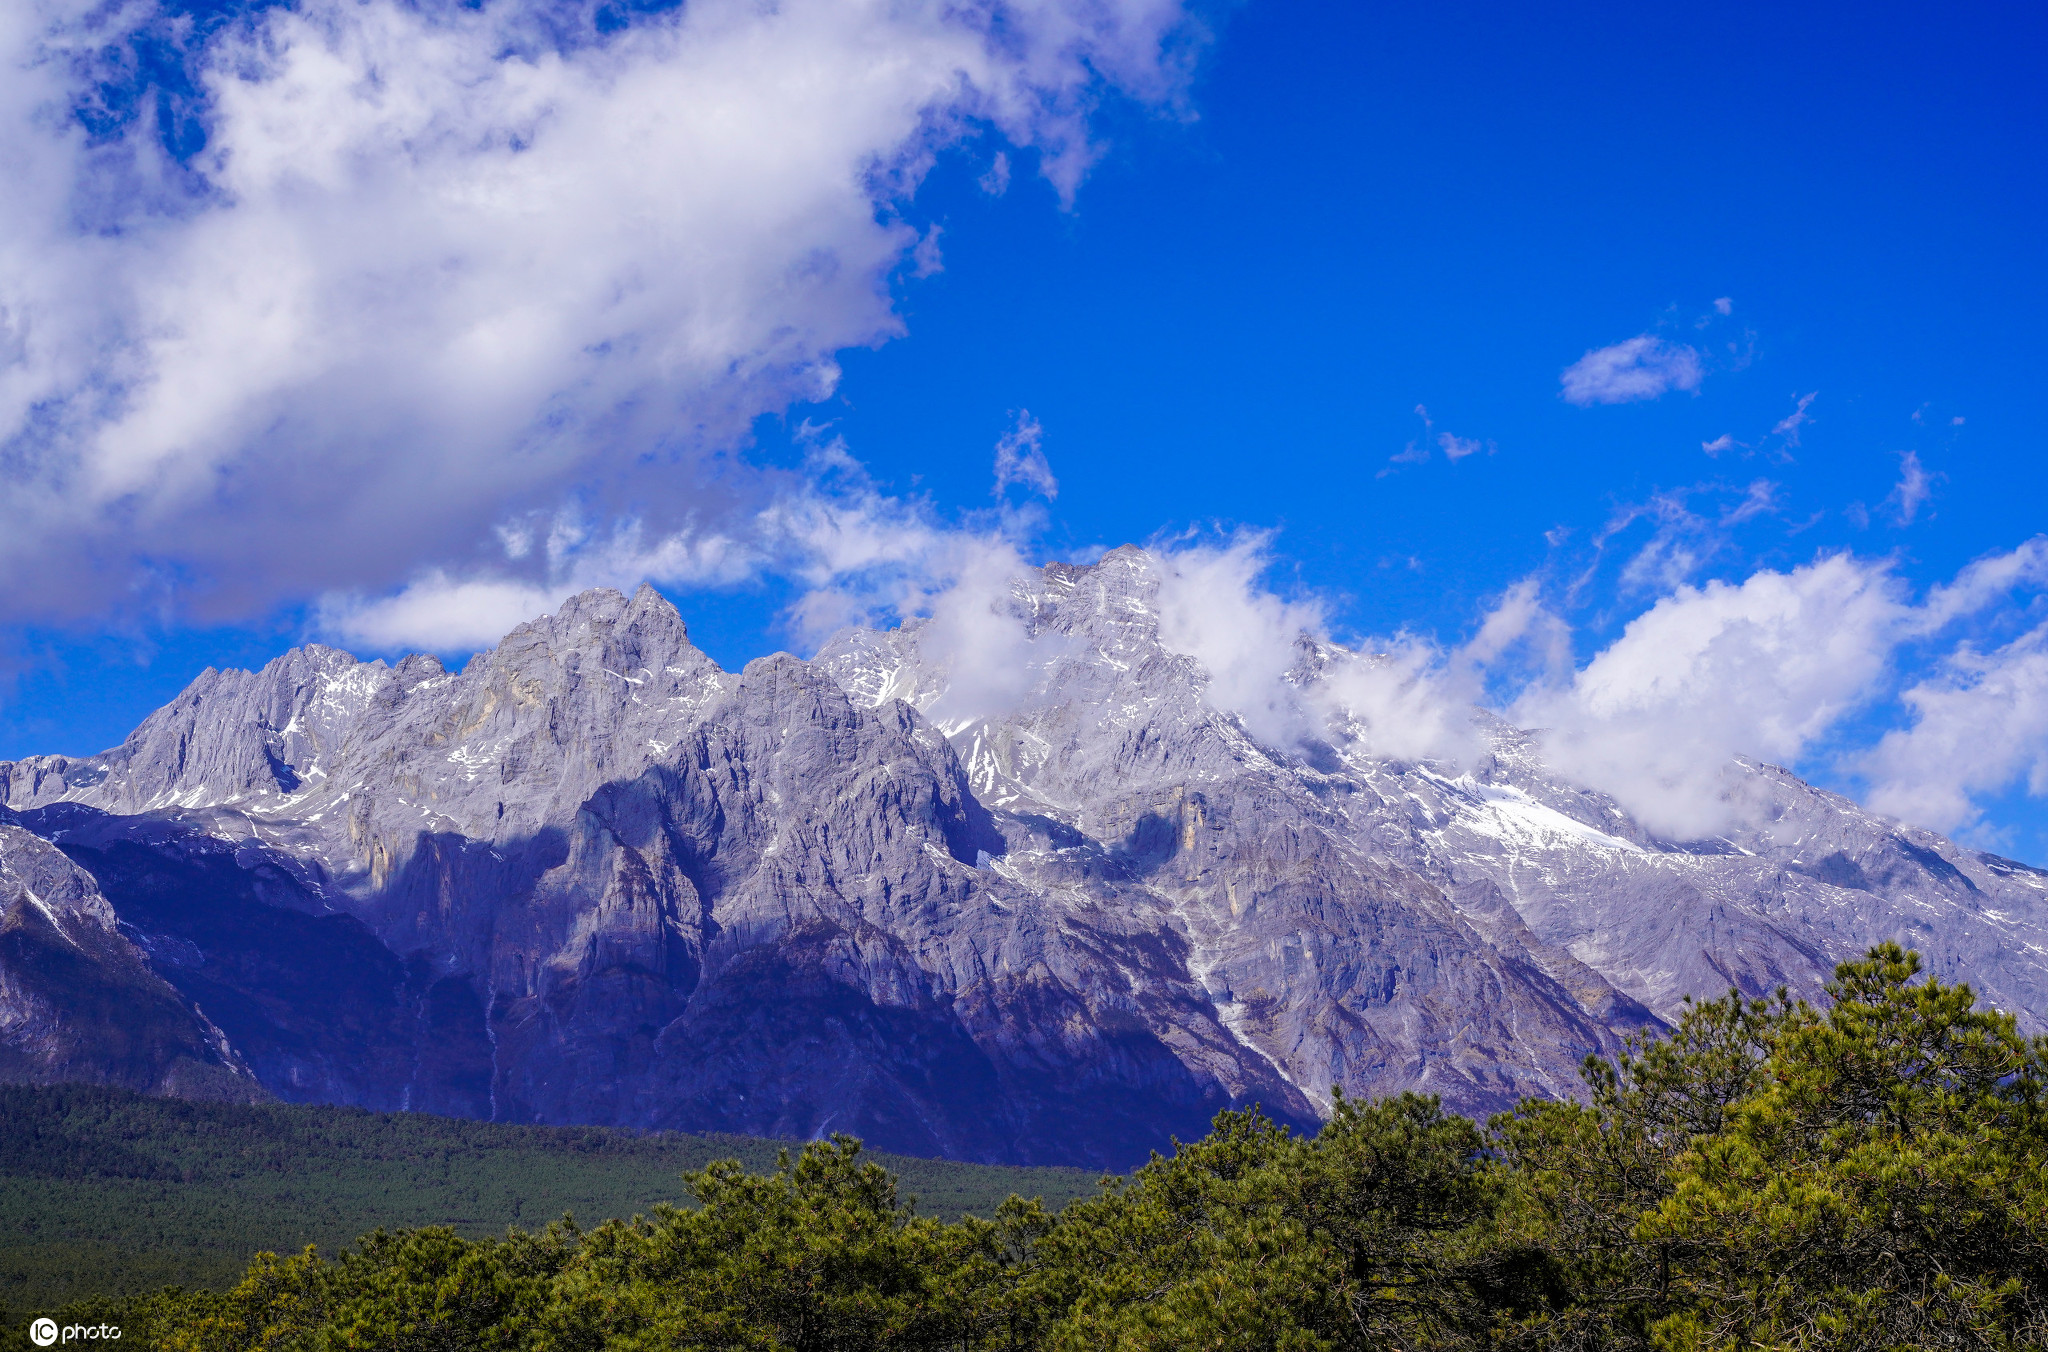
1017, 890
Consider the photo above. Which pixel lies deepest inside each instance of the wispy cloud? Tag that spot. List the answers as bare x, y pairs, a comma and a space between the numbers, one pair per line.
996, 180
1778, 443
1788, 428
1020, 459
1683, 538
1638, 368
1417, 452
1914, 488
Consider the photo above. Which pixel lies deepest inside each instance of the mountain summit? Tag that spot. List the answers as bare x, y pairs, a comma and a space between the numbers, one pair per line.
591, 877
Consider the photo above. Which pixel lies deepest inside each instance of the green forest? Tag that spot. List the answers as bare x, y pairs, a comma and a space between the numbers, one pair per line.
1768, 1175
104, 1192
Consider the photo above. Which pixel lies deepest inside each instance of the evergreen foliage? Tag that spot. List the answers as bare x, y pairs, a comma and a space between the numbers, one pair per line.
1872, 1176
104, 1192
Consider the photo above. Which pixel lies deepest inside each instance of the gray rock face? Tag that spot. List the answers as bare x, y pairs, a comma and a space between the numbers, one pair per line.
80, 1001
593, 878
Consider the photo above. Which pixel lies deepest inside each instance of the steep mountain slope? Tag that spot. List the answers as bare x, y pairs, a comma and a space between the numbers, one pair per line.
80, 1001
591, 877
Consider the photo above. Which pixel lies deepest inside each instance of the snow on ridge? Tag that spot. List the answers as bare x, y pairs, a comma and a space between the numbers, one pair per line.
1503, 809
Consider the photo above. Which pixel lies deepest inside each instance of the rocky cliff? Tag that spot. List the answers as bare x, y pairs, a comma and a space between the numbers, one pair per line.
593, 878
80, 1000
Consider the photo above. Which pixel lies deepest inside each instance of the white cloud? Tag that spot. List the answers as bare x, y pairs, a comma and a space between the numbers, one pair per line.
1979, 725
976, 637
1773, 668
1404, 697
926, 260
1762, 668
439, 612
1724, 306
1213, 608
1401, 701
868, 558
1759, 496
1410, 699
1642, 367
862, 557
1682, 541
1983, 584
1518, 621
444, 269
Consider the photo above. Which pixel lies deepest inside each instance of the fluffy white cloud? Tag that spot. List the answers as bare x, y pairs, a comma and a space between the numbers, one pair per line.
1980, 725
439, 612
1270, 660
1762, 668
976, 636
1214, 608
1402, 700
439, 268
1773, 668
1642, 367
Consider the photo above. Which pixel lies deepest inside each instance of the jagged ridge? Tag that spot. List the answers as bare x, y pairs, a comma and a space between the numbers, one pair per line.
593, 878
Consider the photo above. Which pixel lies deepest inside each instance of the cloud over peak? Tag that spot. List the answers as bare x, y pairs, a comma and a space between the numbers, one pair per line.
1779, 666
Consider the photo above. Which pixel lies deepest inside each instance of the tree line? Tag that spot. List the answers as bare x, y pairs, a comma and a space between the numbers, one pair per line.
108, 1192
1872, 1174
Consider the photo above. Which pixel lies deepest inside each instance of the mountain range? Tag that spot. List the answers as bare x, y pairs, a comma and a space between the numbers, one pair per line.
591, 877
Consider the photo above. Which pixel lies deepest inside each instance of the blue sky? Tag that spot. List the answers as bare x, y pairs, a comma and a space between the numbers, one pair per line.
1281, 243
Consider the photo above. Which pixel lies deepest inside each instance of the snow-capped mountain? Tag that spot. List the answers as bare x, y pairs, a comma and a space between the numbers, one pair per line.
593, 878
